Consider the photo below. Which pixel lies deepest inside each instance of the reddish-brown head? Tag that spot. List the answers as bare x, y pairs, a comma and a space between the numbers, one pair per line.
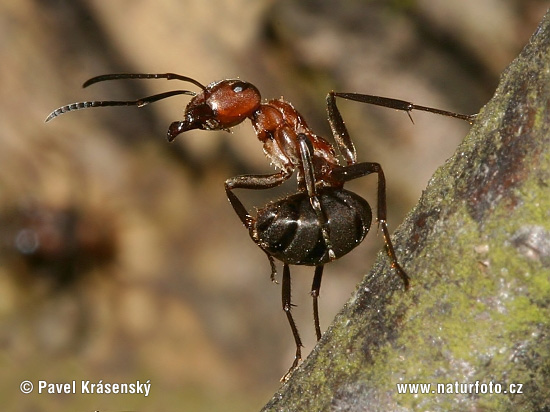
220, 106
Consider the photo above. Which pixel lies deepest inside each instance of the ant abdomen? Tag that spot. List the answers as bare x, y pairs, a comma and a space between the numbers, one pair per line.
289, 229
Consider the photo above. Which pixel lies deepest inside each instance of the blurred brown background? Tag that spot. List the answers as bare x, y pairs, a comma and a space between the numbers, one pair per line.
120, 257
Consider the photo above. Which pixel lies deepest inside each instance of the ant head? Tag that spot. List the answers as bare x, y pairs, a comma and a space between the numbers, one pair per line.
220, 106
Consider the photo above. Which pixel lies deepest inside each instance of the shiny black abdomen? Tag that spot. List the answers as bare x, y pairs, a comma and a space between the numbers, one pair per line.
289, 229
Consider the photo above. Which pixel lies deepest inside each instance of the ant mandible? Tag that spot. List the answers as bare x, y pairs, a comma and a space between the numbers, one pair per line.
322, 221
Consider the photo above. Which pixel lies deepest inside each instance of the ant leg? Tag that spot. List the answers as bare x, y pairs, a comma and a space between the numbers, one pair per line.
315, 289
306, 151
339, 130
273, 268
347, 173
253, 182
400, 105
287, 306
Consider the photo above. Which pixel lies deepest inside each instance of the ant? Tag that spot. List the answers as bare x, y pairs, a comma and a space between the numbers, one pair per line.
322, 221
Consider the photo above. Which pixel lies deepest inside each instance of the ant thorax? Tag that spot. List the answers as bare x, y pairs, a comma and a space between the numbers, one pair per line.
277, 124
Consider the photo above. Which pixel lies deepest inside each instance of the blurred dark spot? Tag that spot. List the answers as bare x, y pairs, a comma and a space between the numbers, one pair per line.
27, 241
60, 244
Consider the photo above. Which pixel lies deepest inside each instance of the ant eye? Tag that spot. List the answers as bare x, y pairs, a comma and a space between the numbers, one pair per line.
239, 87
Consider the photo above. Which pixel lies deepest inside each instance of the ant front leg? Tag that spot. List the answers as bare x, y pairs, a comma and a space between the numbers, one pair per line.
306, 151
309, 177
253, 182
354, 171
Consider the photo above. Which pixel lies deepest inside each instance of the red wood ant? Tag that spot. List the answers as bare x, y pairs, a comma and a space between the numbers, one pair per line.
322, 221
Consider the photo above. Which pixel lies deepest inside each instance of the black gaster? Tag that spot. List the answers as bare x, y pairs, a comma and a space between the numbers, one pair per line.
289, 229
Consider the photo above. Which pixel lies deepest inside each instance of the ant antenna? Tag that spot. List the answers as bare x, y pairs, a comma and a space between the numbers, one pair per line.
103, 103
139, 102
119, 76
